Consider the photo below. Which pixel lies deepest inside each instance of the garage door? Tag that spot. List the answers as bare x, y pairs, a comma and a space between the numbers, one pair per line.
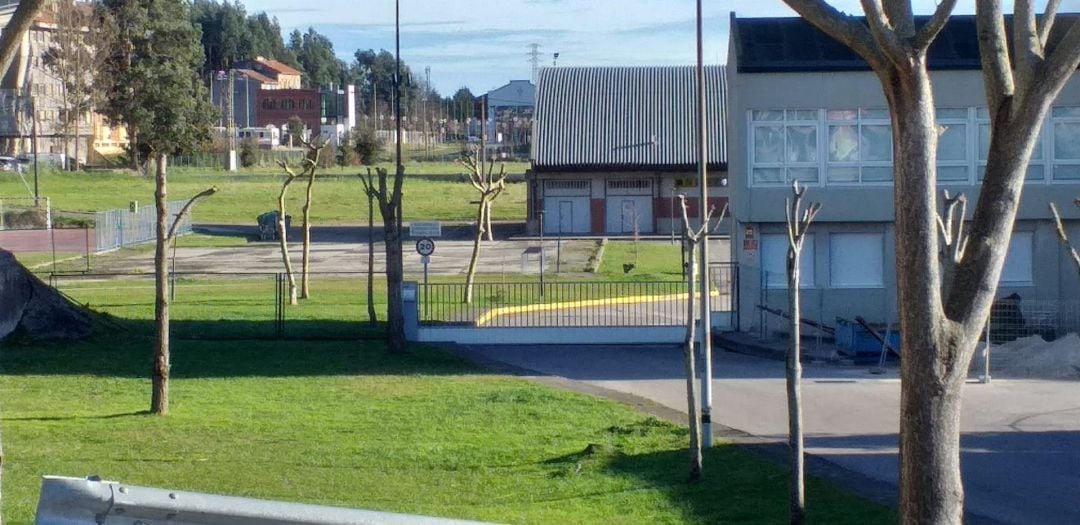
566, 207
629, 206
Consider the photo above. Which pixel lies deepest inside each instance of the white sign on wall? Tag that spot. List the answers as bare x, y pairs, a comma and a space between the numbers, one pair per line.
425, 229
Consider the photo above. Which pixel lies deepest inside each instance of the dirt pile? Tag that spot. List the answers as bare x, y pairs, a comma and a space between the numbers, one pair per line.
31, 308
1034, 357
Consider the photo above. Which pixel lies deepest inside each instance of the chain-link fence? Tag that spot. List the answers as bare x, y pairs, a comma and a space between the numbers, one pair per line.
120, 228
262, 157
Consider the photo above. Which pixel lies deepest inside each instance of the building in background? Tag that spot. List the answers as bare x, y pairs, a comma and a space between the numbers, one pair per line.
283, 75
245, 95
614, 146
509, 115
804, 107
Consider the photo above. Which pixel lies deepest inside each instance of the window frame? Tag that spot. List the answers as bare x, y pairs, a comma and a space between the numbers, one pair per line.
784, 165
859, 164
1051, 174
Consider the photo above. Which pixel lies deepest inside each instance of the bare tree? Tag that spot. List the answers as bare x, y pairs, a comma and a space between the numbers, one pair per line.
72, 57
1063, 235
314, 150
798, 222
159, 398
483, 178
282, 224
389, 200
942, 327
372, 317
693, 238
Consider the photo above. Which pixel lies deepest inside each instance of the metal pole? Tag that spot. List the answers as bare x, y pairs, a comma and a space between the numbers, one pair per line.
706, 314
541, 253
427, 302
33, 148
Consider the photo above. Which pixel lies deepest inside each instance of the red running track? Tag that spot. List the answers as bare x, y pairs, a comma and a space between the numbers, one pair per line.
67, 240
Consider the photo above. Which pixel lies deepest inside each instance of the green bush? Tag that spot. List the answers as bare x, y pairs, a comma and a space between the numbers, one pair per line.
248, 154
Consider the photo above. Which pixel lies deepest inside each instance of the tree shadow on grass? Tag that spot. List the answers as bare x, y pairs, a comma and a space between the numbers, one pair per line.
72, 418
220, 349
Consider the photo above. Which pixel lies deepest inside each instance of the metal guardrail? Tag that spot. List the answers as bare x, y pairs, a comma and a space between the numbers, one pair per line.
78, 501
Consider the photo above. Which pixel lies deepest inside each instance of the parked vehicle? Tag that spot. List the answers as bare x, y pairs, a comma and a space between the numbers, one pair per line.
9, 164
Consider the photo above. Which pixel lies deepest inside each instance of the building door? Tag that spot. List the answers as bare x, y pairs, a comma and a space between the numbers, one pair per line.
566, 207
566, 217
629, 206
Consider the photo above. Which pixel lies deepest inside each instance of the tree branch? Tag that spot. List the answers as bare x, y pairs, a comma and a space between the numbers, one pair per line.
997, 72
1027, 47
1046, 23
1063, 236
926, 35
886, 36
12, 35
1061, 62
844, 28
186, 209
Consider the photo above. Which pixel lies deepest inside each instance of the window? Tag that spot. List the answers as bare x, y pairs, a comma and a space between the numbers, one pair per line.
952, 151
1065, 123
856, 260
1018, 260
287, 104
859, 146
784, 146
774, 249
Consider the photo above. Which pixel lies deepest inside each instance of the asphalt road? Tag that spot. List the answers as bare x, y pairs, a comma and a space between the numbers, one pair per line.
1020, 447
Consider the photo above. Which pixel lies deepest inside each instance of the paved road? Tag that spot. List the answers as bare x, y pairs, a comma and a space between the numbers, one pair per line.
1021, 442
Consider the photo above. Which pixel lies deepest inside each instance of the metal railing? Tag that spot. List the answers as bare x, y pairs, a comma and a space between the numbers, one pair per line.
121, 228
76, 501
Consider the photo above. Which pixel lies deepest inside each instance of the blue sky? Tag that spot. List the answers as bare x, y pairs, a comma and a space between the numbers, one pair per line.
483, 44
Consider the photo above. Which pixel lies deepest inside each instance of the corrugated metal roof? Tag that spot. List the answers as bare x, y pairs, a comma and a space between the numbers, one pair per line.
626, 118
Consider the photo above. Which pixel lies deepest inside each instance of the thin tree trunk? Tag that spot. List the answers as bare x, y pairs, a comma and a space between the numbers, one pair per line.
470, 276
159, 400
1, 480
487, 221
283, 238
693, 415
372, 316
395, 308
797, 495
305, 268
930, 485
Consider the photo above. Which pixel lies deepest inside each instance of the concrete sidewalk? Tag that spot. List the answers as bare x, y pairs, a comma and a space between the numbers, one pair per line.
1021, 442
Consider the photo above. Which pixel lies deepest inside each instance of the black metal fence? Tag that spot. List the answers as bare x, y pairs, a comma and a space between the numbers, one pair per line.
225, 306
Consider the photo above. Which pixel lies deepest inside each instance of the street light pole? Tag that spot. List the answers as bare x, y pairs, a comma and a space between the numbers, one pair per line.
703, 206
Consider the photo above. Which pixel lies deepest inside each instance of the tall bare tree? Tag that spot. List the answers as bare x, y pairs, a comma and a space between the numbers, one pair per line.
283, 224
489, 185
798, 222
1063, 235
72, 58
942, 327
388, 196
693, 238
314, 151
368, 185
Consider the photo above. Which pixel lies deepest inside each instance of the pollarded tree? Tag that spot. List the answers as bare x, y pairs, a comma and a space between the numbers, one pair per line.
942, 325
151, 56
489, 185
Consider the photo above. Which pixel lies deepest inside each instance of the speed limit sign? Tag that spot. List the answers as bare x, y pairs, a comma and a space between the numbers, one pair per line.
425, 247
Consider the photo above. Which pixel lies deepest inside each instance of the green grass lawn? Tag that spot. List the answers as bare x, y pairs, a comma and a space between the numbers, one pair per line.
346, 423
241, 198
652, 260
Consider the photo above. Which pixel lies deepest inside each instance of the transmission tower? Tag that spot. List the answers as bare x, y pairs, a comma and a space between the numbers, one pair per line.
534, 59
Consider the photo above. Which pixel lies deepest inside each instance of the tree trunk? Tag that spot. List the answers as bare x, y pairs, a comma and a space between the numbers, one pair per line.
1, 481
470, 276
487, 220
283, 239
372, 316
395, 308
159, 401
305, 265
688, 357
930, 487
797, 494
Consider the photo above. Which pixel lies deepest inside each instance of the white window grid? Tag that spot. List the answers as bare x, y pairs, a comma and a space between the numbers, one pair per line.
1060, 115
1043, 156
789, 118
862, 117
951, 117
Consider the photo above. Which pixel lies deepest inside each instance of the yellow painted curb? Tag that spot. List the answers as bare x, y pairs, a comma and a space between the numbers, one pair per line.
526, 308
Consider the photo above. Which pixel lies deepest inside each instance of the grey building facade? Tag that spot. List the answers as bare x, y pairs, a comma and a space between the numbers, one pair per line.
804, 107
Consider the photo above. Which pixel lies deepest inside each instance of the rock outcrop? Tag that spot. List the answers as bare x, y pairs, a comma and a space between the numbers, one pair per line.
33, 309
